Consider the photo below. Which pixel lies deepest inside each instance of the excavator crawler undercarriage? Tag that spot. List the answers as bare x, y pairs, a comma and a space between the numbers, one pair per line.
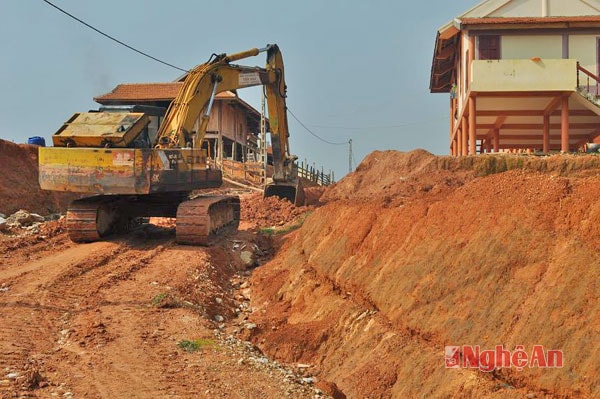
198, 220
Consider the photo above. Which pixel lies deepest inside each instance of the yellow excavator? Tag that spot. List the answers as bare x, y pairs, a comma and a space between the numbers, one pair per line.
129, 172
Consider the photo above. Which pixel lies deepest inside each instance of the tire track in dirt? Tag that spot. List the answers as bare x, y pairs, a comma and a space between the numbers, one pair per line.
85, 320
29, 324
41, 295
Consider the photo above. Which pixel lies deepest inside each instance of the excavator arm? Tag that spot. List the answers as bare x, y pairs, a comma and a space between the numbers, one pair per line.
196, 97
195, 100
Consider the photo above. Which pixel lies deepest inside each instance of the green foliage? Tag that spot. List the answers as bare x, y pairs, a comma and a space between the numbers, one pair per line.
271, 231
158, 298
196, 345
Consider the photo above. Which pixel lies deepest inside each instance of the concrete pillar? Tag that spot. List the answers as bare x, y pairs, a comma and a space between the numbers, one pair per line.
452, 110
546, 138
472, 126
464, 132
488, 145
564, 124
496, 140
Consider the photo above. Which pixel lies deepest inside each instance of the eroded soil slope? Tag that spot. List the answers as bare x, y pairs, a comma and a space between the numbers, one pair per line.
414, 252
19, 187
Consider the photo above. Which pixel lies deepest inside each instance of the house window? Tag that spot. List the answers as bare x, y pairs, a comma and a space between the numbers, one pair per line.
489, 47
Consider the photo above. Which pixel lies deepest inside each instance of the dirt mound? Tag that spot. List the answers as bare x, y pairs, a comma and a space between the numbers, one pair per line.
19, 187
370, 293
397, 176
259, 212
313, 194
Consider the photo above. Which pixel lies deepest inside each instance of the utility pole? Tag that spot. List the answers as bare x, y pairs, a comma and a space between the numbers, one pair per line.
350, 156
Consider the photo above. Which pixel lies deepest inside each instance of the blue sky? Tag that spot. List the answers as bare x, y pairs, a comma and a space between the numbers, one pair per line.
354, 69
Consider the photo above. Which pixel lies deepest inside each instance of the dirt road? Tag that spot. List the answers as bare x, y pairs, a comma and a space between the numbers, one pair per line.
108, 319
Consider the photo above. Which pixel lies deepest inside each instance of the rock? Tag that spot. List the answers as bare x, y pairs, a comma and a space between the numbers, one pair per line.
245, 284
3, 216
219, 318
3, 224
250, 326
35, 380
53, 216
24, 218
308, 380
248, 258
12, 376
219, 300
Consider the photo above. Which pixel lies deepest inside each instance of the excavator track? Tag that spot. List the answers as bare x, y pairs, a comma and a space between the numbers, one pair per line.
90, 219
200, 219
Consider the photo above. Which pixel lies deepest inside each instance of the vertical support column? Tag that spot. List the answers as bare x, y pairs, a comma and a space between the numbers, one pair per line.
220, 139
546, 138
451, 117
488, 145
472, 126
464, 130
496, 140
564, 124
471, 57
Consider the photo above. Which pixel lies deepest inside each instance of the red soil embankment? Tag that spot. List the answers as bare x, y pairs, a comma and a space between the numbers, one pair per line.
19, 187
415, 252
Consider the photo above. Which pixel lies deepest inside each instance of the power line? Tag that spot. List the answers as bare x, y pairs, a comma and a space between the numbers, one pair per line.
113, 38
313, 133
380, 127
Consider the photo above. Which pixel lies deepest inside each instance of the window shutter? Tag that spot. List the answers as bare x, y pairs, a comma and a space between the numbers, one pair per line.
489, 47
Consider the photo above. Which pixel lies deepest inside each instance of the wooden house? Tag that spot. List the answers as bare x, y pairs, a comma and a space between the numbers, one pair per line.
521, 75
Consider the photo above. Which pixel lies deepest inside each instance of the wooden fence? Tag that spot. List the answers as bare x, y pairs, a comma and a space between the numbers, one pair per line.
254, 172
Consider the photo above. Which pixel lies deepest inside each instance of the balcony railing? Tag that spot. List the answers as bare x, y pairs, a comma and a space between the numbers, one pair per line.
587, 81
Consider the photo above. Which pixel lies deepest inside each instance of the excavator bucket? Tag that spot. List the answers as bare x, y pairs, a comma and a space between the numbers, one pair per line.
293, 192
